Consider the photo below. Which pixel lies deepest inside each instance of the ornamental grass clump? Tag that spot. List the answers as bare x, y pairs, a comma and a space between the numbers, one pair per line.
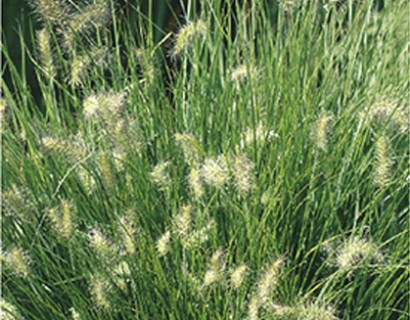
134, 145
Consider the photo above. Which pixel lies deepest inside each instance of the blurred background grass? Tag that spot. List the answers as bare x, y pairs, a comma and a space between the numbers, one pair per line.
19, 19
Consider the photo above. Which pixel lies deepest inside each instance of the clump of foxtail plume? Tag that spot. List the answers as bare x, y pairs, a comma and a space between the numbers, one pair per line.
17, 260
244, 73
81, 64
216, 270
9, 311
387, 112
62, 218
266, 287
100, 289
52, 11
238, 276
163, 244
243, 172
186, 36
356, 252
214, 172
93, 16
320, 132
314, 311
160, 175
127, 232
383, 162
189, 146
73, 149
45, 52
195, 183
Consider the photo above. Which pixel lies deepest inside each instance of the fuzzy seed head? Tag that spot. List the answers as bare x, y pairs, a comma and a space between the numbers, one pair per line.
93, 16
73, 150
383, 162
163, 244
183, 221
243, 73
18, 261
8, 311
91, 106
243, 174
268, 282
53, 11
107, 171
388, 111
260, 135
122, 269
160, 175
195, 183
189, 146
215, 273
62, 219
281, 310
187, 35
107, 107
253, 308
87, 179
214, 172
99, 242
127, 232
74, 314
198, 237
238, 276
99, 289
316, 311
17, 203
355, 252
320, 131
79, 69
46, 55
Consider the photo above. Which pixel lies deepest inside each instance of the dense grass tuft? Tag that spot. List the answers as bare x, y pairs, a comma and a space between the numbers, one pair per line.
254, 165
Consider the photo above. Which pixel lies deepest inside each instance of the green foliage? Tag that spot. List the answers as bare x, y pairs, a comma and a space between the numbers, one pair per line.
273, 147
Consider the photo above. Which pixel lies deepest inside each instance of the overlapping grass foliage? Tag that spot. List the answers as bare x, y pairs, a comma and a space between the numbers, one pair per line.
252, 166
